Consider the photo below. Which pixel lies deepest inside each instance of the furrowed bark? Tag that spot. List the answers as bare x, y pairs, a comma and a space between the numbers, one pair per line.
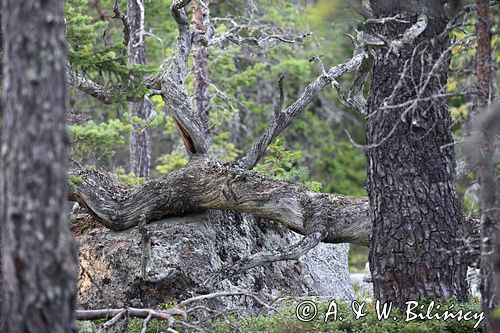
417, 248
171, 84
39, 256
1, 207
125, 22
489, 203
497, 275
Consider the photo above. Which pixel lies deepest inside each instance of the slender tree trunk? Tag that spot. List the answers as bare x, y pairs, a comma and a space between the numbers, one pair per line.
39, 257
415, 249
487, 170
200, 71
140, 158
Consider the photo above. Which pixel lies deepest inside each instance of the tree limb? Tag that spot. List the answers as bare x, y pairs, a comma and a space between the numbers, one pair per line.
283, 120
126, 27
207, 184
410, 35
103, 94
177, 316
293, 252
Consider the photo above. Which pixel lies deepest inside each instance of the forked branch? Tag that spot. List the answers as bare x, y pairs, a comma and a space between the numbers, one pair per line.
175, 318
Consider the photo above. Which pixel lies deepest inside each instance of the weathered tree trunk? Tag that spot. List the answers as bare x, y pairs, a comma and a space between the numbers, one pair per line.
200, 71
38, 250
140, 158
206, 184
415, 248
486, 170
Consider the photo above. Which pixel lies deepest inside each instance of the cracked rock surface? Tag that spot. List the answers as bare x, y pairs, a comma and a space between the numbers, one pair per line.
183, 256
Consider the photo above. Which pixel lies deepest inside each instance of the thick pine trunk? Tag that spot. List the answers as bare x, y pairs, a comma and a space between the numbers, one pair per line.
140, 158
415, 249
39, 257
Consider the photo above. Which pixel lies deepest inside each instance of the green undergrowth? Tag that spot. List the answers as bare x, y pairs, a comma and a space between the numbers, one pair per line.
285, 320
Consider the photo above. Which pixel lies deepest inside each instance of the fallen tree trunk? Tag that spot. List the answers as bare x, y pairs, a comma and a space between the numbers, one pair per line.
206, 184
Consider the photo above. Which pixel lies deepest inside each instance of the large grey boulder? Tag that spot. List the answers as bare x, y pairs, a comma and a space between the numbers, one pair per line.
184, 253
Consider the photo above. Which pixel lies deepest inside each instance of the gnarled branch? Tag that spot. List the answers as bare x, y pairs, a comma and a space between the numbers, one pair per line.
207, 184
121, 16
101, 93
293, 252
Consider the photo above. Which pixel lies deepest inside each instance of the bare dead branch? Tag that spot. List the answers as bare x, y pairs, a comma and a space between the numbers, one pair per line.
367, 40
316, 58
285, 118
90, 87
103, 94
132, 312
362, 7
264, 34
110, 323
122, 17
410, 34
152, 111
384, 20
356, 100
200, 298
461, 16
171, 83
366, 9
145, 323
204, 36
145, 247
176, 317
293, 252
206, 184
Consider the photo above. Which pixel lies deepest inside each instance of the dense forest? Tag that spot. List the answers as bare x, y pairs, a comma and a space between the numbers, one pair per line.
253, 166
